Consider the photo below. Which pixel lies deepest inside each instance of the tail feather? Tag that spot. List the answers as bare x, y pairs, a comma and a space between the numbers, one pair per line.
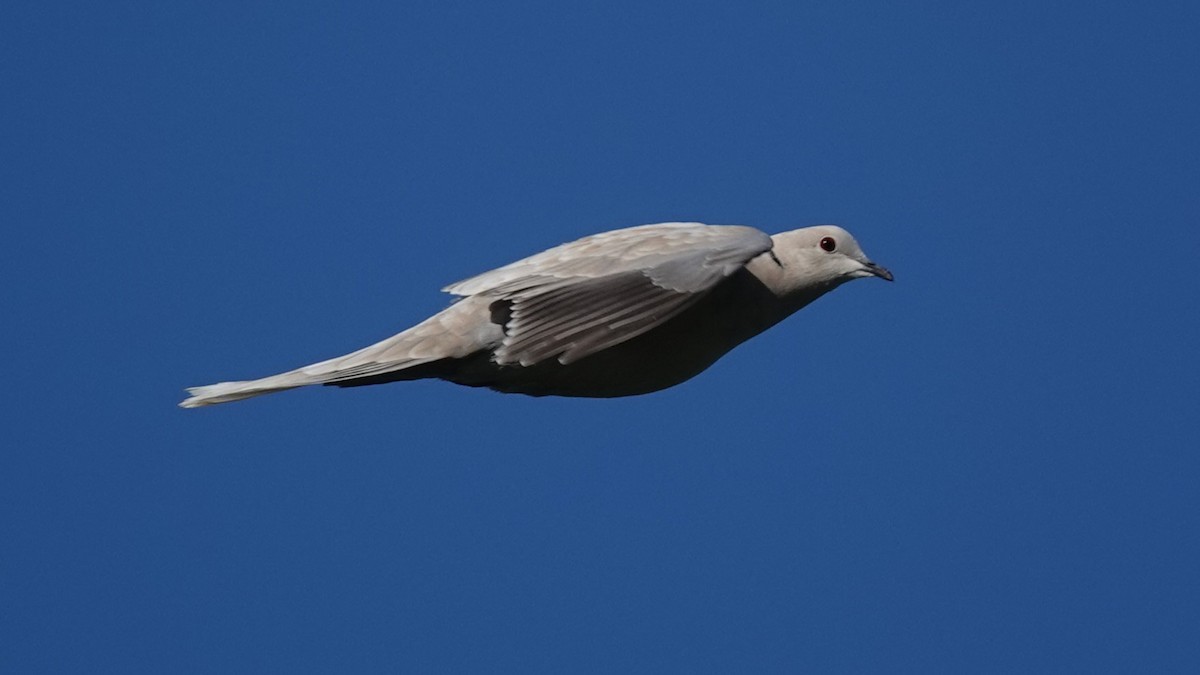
455, 332
224, 392
333, 371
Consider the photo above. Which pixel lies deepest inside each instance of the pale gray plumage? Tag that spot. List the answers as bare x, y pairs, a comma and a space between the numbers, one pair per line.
619, 313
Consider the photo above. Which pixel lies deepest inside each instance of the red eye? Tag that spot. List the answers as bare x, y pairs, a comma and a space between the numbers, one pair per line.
828, 244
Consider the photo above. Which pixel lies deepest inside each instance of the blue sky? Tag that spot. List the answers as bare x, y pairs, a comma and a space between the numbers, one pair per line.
990, 465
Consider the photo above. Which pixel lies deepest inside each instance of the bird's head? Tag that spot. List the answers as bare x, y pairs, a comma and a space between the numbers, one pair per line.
823, 257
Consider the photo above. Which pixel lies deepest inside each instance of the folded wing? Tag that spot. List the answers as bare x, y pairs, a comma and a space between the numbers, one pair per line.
582, 297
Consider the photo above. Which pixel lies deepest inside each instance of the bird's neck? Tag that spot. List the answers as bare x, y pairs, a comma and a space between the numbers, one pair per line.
792, 291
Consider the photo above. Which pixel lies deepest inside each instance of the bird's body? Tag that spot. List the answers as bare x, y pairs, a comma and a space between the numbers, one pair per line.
681, 348
621, 313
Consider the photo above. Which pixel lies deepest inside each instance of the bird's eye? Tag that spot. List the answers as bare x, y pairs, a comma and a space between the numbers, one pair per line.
828, 244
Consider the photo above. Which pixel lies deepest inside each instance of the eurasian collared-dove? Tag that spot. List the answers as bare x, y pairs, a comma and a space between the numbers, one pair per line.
615, 314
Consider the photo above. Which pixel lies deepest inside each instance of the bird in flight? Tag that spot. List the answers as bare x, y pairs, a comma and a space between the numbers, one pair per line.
619, 313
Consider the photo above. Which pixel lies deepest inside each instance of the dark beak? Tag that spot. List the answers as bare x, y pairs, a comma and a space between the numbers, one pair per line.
880, 272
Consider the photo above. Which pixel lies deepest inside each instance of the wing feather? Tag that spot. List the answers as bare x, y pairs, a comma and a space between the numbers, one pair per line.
570, 332
585, 296
630, 249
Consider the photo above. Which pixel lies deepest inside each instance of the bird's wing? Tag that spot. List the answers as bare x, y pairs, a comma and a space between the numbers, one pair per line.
579, 298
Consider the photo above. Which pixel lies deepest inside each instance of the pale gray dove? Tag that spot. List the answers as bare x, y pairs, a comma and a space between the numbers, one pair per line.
620, 313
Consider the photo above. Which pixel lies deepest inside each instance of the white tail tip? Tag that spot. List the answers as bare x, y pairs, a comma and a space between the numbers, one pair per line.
224, 392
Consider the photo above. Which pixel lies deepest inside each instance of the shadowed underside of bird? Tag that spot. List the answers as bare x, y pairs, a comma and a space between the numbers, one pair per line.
620, 313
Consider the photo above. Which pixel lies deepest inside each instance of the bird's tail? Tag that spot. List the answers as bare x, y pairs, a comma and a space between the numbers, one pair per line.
388, 360
224, 392
446, 335
343, 371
